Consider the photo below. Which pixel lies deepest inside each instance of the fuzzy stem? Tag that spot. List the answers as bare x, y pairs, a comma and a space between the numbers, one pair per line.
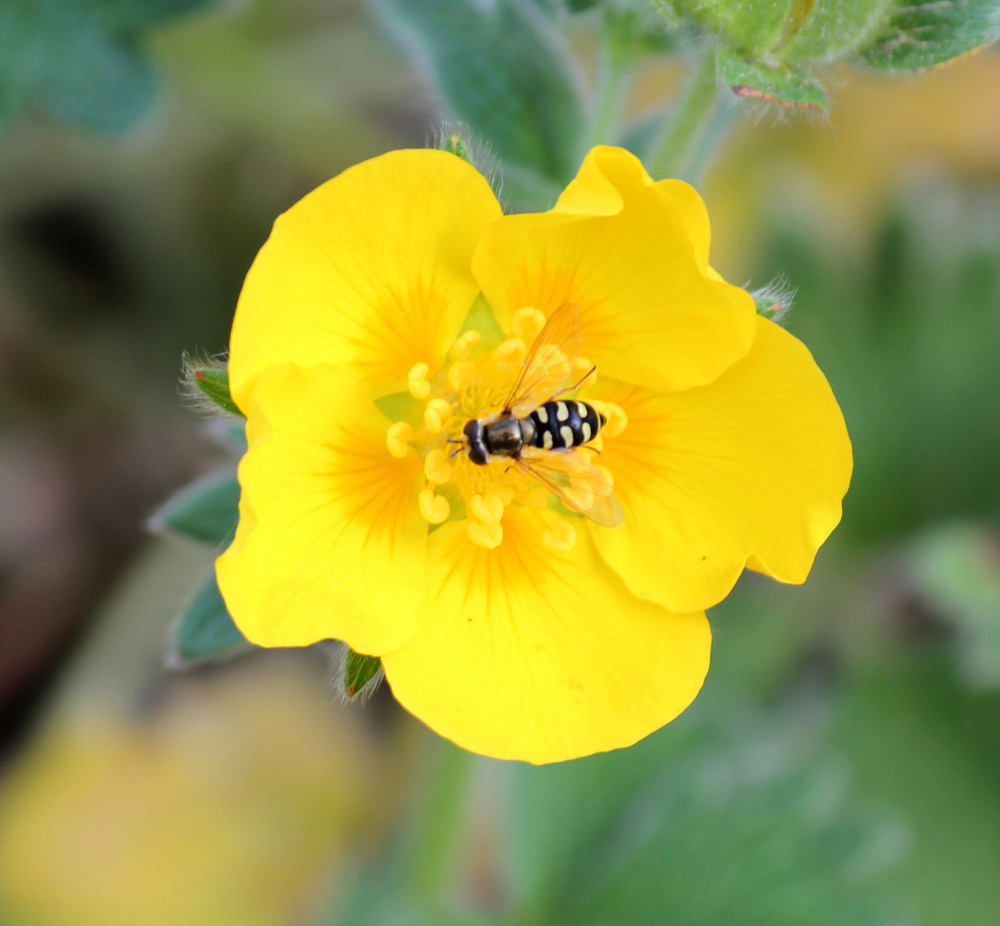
687, 121
611, 90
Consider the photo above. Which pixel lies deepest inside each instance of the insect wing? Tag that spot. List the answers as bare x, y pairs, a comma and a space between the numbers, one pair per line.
550, 363
585, 488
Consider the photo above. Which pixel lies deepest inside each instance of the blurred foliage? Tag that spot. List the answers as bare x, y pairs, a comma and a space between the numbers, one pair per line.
770, 49
842, 765
81, 61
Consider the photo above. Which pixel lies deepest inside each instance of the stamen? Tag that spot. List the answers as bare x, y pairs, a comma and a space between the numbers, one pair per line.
485, 535
434, 508
460, 349
437, 469
487, 509
512, 350
617, 419
526, 324
436, 414
460, 375
417, 381
397, 439
560, 536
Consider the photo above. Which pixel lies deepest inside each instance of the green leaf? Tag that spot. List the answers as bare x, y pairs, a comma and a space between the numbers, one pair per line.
713, 824
78, 61
926, 33
502, 68
359, 670
206, 510
214, 384
785, 85
205, 630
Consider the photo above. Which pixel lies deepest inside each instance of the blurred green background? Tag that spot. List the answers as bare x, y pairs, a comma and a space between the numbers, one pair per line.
841, 766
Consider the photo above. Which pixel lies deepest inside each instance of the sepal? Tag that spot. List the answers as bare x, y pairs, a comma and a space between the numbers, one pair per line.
207, 510
205, 631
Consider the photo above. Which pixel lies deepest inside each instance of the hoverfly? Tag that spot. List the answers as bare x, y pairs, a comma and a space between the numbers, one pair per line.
539, 432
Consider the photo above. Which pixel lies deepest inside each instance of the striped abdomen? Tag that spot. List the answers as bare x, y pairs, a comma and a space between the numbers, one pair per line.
565, 423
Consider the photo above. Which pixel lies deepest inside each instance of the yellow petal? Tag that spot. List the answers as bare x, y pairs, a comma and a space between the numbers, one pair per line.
633, 255
541, 655
369, 272
749, 470
327, 513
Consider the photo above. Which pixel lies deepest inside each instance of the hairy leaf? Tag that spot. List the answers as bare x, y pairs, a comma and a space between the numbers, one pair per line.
926, 33
788, 86
205, 630
207, 510
501, 67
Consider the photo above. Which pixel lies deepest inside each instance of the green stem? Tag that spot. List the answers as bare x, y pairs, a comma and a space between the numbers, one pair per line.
435, 848
612, 87
687, 120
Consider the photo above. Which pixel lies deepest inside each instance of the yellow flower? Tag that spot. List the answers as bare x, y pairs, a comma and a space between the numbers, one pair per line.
394, 304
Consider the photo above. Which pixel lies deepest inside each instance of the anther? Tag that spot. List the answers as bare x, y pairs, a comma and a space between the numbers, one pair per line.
560, 536
417, 381
617, 419
397, 439
437, 469
460, 375
436, 414
434, 508
485, 535
526, 324
460, 349
487, 509
512, 350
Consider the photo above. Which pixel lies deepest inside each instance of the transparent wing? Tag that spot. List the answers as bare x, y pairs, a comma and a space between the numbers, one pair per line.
574, 479
550, 362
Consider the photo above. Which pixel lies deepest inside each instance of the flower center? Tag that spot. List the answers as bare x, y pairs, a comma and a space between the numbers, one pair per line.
476, 384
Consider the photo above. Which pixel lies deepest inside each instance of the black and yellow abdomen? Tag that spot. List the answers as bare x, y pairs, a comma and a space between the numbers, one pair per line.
564, 423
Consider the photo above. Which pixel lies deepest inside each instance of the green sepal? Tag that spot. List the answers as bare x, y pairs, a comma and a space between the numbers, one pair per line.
453, 143
213, 383
927, 33
205, 629
774, 300
359, 671
785, 85
207, 510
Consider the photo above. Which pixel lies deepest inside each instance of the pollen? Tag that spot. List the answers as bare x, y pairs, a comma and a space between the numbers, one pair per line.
560, 536
436, 414
526, 323
617, 419
460, 349
434, 508
485, 535
512, 351
460, 375
487, 509
417, 381
437, 468
397, 439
